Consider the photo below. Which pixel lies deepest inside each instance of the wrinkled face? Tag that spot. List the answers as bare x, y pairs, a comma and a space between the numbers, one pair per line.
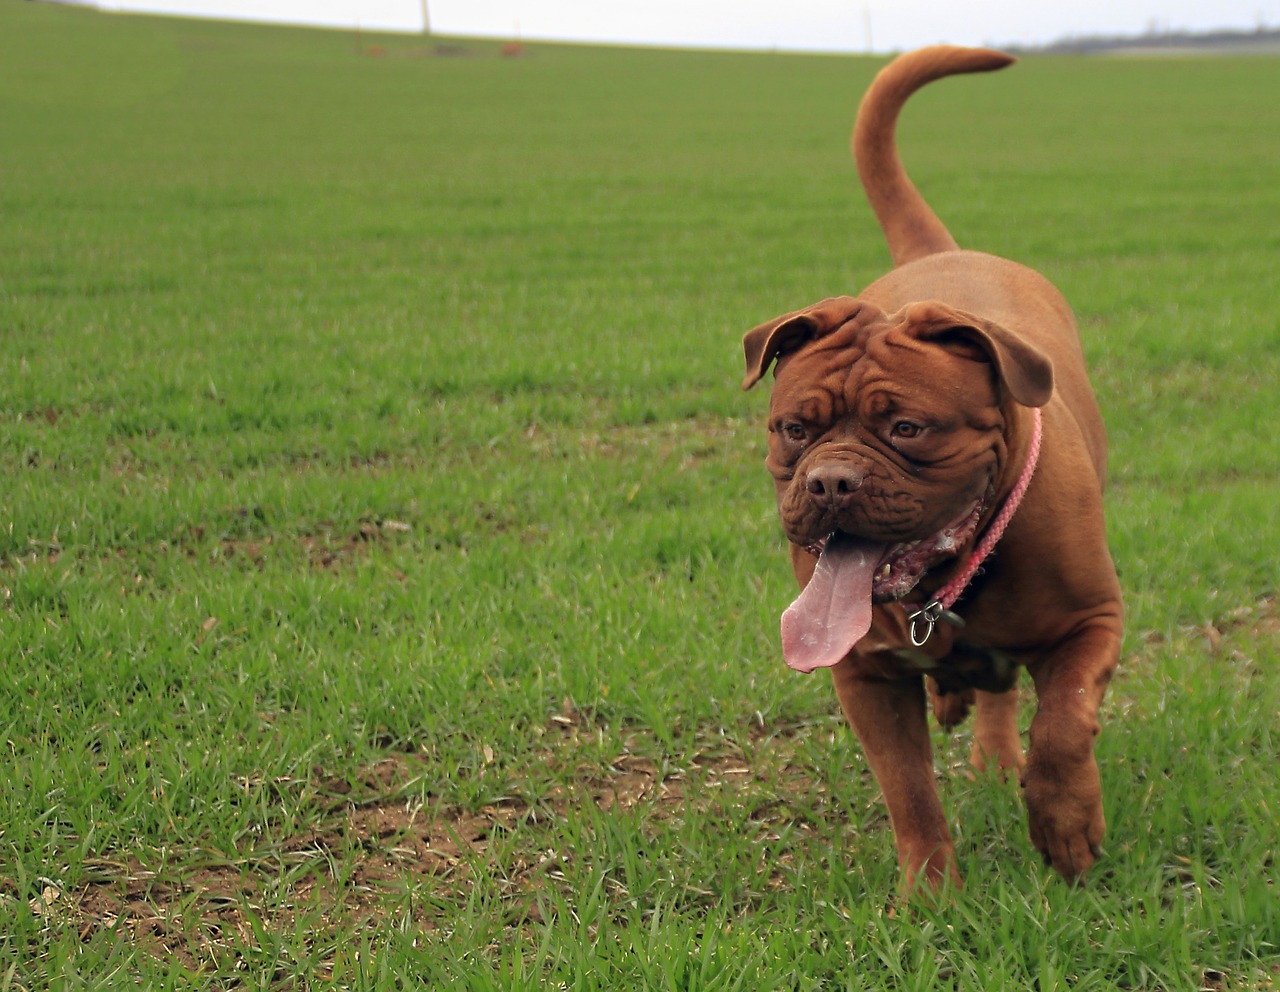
884, 436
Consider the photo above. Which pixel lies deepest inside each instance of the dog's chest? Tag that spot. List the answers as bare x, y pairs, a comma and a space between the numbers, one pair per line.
952, 663
972, 667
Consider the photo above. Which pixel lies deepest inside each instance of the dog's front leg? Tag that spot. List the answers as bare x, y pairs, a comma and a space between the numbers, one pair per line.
889, 718
1060, 780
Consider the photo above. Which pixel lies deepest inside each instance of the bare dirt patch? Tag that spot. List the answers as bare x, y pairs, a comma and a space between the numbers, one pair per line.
323, 547
377, 837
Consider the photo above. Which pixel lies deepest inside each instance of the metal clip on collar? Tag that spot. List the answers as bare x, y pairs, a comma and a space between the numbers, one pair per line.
923, 621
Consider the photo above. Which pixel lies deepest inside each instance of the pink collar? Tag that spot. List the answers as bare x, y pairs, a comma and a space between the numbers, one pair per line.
924, 619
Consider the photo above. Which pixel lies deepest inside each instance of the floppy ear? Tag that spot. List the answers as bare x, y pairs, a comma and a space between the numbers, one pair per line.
1023, 368
794, 330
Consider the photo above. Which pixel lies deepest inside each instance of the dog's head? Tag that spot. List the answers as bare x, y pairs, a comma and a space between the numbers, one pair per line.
890, 428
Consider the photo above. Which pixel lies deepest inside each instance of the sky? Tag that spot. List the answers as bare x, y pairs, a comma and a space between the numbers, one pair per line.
788, 25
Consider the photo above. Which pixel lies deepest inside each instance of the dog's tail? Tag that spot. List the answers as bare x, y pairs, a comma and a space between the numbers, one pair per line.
910, 226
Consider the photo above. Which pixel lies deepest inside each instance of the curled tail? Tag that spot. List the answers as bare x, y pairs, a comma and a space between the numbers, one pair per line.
910, 226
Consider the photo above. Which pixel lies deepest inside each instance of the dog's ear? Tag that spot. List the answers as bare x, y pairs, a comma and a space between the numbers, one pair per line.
1023, 368
794, 330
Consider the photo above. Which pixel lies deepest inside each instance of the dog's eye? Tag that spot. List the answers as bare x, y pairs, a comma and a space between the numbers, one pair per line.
793, 431
906, 429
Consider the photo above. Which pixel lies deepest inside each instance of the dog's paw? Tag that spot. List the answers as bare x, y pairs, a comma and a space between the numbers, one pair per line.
1064, 815
931, 880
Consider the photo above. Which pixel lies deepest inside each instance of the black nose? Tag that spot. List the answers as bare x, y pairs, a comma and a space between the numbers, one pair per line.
833, 485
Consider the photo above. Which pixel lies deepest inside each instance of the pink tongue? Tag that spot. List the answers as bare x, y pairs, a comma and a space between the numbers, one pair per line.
833, 612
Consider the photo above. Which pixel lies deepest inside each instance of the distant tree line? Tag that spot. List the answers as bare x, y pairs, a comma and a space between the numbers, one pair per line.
1261, 38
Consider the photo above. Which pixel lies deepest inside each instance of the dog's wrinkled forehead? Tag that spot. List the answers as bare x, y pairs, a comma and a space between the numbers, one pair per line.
879, 366
845, 337
952, 372
830, 361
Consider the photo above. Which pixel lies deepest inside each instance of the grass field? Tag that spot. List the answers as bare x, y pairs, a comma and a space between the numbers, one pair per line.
389, 579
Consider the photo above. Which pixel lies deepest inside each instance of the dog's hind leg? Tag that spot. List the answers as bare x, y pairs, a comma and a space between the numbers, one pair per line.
949, 708
995, 732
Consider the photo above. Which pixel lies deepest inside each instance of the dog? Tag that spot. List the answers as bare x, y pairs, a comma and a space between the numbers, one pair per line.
939, 458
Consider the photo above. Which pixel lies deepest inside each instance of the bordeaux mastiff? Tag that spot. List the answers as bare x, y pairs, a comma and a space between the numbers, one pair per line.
939, 460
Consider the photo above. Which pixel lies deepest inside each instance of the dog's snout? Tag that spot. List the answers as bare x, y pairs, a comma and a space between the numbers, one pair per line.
833, 485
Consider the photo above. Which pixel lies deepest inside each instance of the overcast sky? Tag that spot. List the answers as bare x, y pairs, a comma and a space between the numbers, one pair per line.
799, 25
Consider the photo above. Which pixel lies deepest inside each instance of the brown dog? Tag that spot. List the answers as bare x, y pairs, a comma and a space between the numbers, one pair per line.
935, 442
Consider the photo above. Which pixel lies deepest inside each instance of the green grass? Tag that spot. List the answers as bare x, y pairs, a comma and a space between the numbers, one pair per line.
388, 575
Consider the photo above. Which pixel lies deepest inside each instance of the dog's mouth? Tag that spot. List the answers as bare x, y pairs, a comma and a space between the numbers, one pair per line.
833, 612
